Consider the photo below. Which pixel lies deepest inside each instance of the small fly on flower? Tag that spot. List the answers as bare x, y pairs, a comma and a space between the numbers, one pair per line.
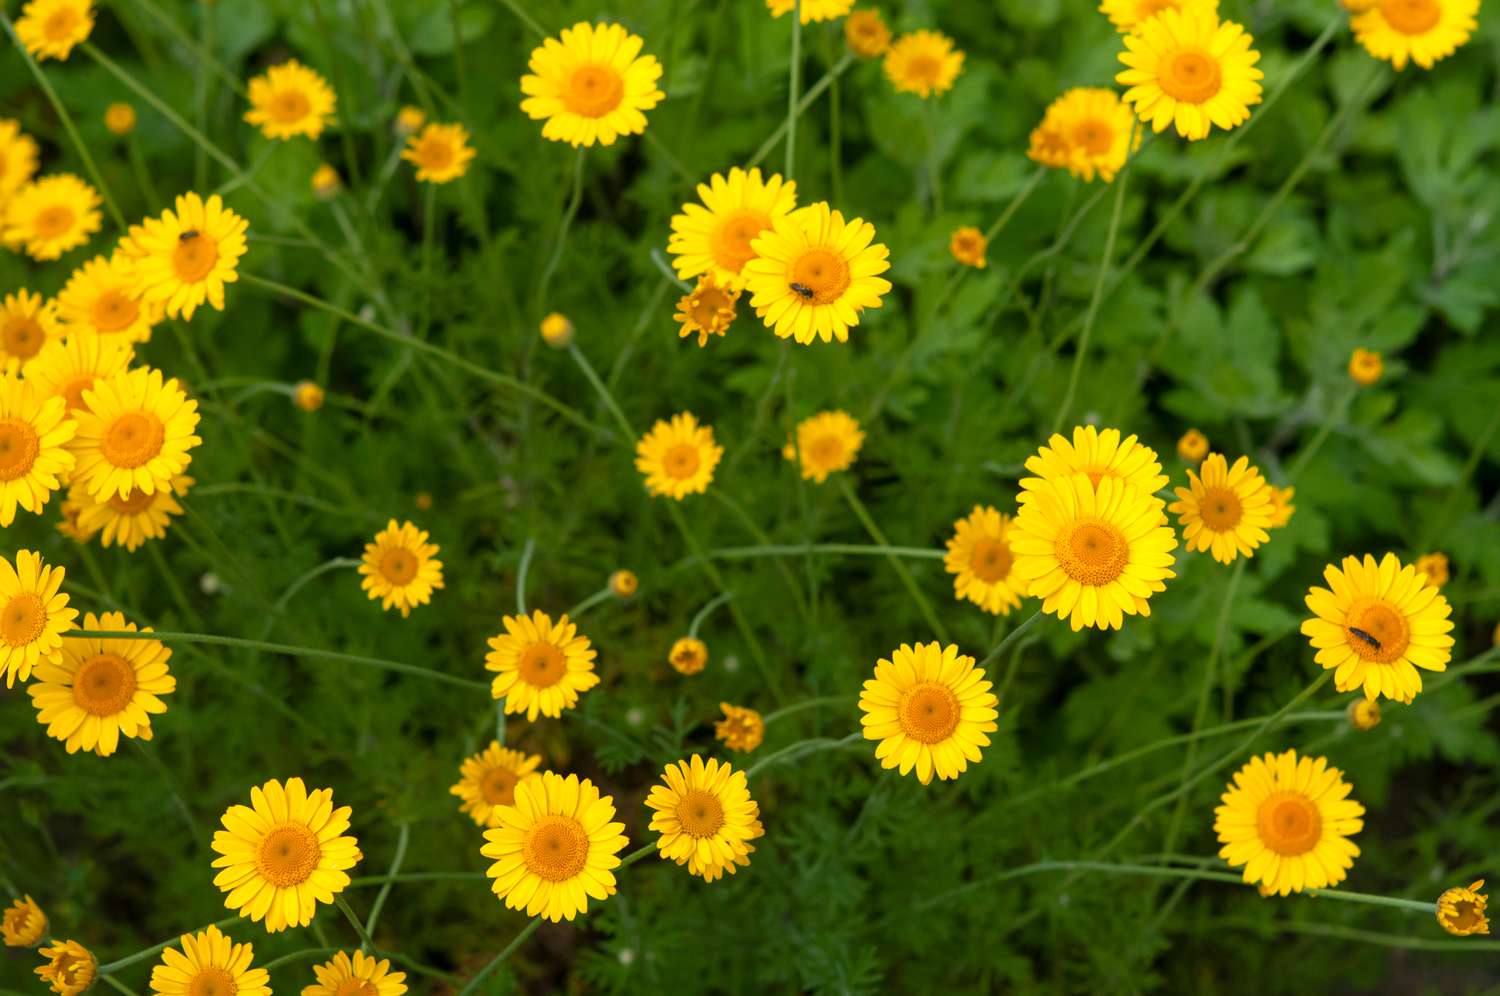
1365, 637
188, 236
804, 290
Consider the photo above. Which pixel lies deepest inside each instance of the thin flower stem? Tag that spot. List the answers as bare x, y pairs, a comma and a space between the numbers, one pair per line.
296, 956
155, 949
1351, 934
365, 944
793, 86
602, 595
496, 961
1010, 638
666, 270
801, 748
1305, 455
604, 393
704, 612
525, 566
337, 563
817, 703
194, 833
117, 985
403, 837
500, 722
759, 535
515, 8
863, 514
429, 231
934, 167
852, 549
1014, 206
644, 851
558, 246
813, 93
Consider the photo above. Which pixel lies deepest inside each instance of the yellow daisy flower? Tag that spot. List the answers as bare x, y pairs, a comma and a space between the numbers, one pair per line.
689, 655
441, 153
1420, 31
930, 708
557, 330
290, 100
18, 155
284, 853
923, 63
1095, 129
132, 521
308, 396
409, 120
623, 584
715, 236
828, 443
712, 873
325, 181
1287, 821
51, 28
1226, 510
708, 309
24, 924
1099, 453
99, 298
70, 967
400, 568
812, 10
1193, 446
1188, 68
209, 964
68, 526
866, 34
1460, 911
592, 85
34, 458
28, 322
982, 562
1128, 15
1049, 145
814, 273
704, 814
1364, 714
358, 974
34, 614
541, 666
1365, 366
1093, 554
678, 457
1281, 506
741, 728
968, 246
488, 780
1377, 623
51, 215
135, 432
186, 257
555, 848
119, 118
1435, 566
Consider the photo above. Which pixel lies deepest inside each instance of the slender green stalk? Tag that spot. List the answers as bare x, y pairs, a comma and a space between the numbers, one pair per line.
561, 242
759, 535
117, 985
500, 722
602, 595
296, 956
934, 167
605, 395
704, 612
429, 229
1305, 455
644, 851
156, 949
515, 8
1405, 940
851, 549
526, 553
499, 959
336, 564
1010, 638
863, 514
813, 93
818, 703
793, 86
665, 267
365, 944
170, 784
800, 749
142, 173
403, 837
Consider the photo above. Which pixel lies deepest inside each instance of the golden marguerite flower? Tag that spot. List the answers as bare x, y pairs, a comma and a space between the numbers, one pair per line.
1094, 128
1435, 566
557, 330
135, 433
1224, 510
325, 181
100, 299
119, 118
591, 85
356, 974
689, 655
1364, 714
1365, 366
129, 522
827, 443
70, 967
401, 568
1281, 506
541, 666
715, 236
18, 154
186, 256
409, 120
1420, 31
811, 10
968, 246
555, 848
24, 924
290, 100
1376, 623
704, 814
308, 396
1099, 453
708, 309
1049, 145
982, 562
488, 780
441, 152
1093, 553
51, 215
814, 273
623, 584
34, 458
1128, 15
284, 853
1287, 821
1460, 910
741, 728
51, 28
923, 63
209, 964
28, 322
1189, 69
930, 708
866, 34
678, 457
1193, 446
34, 614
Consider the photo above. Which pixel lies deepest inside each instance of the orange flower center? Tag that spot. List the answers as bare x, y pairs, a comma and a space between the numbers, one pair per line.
23, 336
1384, 633
924, 68
103, 685
1466, 915
1092, 552
72, 392
681, 461
1095, 137
688, 658
135, 504
730, 243
289, 106
53, 221
543, 665
356, 987
61, 24
22, 619
555, 848
990, 560
211, 980
825, 451
19, 445
114, 312
1412, 17
711, 308
593, 91
1289, 824
435, 153
1221, 509
498, 786
194, 257
288, 855
1191, 77
133, 439
700, 813
823, 272
398, 566
928, 712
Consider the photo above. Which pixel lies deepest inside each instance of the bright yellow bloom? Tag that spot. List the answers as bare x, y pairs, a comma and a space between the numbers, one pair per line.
704, 814
557, 331
135, 433
100, 299
930, 708
209, 963
923, 63
410, 119
968, 246
441, 153
741, 728
982, 562
400, 568
325, 181
488, 780
1099, 453
308, 396
1049, 146
591, 85
1128, 15
1193, 446
284, 853
18, 154
1420, 31
186, 256
678, 458
1365, 366
1287, 821
130, 522
28, 322
70, 967
1189, 69
51, 215
555, 848
1087, 130
34, 614
34, 458
1226, 510
708, 309
827, 442
689, 655
1377, 623
51, 28
715, 236
119, 119
1460, 910
1281, 506
811, 10
1435, 566
290, 100
866, 34
358, 974
1364, 714
623, 584
541, 666
24, 924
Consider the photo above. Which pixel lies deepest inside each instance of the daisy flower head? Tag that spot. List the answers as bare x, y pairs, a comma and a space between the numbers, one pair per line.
356, 974
51, 215
49, 29
678, 457
1364, 714
689, 655
1099, 453
186, 256
715, 235
741, 728
557, 331
541, 666
34, 614
924, 63
24, 925
1365, 366
100, 300
325, 181
290, 99
866, 34
1282, 508
1186, 68
1087, 131
982, 562
488, 780
1192, 446
127, 522
209, 962
70, 967
705, 815
1435, 566
34, 436
967, 245
930, 709
1128, 15
441, 152
28, 322
827, 443
120, 119
1460, 910
1420, 31
1225, 509
18, 156
623, 584
401, 568
591, 85
135, 433
708, 309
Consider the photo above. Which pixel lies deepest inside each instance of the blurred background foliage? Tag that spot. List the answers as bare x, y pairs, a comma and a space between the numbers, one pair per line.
1360, 211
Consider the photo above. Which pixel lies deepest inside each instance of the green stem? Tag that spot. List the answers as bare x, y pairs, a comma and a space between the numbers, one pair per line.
569, 214
852, 549
496, 961
337, 563
297, 956
403, 837
660, 261
801, 748
703, 613
644, 851
515, 8
117, 985
429, 229
907, 580
1010, 638
526, 553
809, 704
793, 87
813, 93
604, 393
155, 949
602, 595
365, 944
